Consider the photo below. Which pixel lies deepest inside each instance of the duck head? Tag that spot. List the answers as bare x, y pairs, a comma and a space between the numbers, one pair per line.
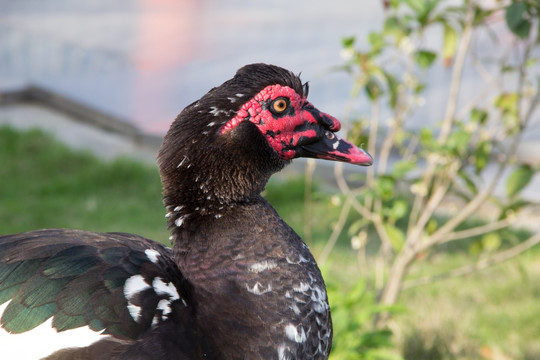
224, 147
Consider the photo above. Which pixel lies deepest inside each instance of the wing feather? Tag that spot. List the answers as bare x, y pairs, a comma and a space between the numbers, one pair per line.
78, 279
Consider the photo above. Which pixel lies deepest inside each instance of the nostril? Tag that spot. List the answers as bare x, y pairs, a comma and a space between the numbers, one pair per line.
329, 135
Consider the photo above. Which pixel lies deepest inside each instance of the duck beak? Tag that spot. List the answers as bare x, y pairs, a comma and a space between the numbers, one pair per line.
332, 147
326, 144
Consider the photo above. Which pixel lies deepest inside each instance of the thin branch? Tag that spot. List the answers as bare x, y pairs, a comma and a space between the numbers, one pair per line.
388, 143
345, 209
479, 199
535, 102
457, 72
372, 148
372, 143
493, 82
467, 210
345, 189
418, 202
375, 219
361, 209
448, 119
478, 230
431, 206
411, 147
479, 265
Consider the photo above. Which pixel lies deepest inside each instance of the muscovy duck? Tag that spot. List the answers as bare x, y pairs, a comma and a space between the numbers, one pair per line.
238, 283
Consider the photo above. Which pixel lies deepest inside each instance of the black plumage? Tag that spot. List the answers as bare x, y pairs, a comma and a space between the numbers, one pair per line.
238, 283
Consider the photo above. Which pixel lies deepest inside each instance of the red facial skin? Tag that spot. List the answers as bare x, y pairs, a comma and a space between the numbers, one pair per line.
300, 125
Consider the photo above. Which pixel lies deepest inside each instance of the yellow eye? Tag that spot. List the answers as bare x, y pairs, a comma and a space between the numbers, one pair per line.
279, 105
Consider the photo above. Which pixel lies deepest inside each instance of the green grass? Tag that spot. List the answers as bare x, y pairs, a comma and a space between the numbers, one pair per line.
495, 310
43, 184
492, 313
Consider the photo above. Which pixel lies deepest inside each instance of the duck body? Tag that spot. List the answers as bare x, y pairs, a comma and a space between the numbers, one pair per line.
238, 283
272, 290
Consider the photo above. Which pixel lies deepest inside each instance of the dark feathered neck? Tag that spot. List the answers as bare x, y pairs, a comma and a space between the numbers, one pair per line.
205, 176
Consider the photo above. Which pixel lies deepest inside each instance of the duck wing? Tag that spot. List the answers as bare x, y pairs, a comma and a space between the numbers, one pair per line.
124, 289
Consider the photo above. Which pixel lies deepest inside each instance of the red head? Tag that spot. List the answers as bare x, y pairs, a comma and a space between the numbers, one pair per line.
295, 128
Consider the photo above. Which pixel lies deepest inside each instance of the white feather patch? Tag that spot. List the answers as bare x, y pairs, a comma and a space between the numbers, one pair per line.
152, 255
132, 286
258, 289
178, 222
262, 266
318, 297
43, 340
165, 306
293, 334
163, 288
283, 353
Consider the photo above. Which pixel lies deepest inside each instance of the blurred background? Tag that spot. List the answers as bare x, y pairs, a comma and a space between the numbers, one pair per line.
443, 93
146, 60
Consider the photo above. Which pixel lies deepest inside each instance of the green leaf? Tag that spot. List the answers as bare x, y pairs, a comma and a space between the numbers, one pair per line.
396, 237
491, 242
531, 62
419, 88
399, 209
348, 41
358, 133
376, 40
508, 68
479, 116
450, 38
508, 104
514, 13
393, 85
475, 248
425, 58
373, 89
431, 226
426, 136
394, 3
518, 180
385, 187
422, 9
458, 141
507, 101
482, 154
418, 6
356, 226
394, 27
516, 19
402, 168
512, 208
481, 14
471, 185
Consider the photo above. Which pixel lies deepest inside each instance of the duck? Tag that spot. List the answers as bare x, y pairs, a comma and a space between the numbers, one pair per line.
237, 283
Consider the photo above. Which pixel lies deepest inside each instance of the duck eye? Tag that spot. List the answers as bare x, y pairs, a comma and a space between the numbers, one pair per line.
279, 105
